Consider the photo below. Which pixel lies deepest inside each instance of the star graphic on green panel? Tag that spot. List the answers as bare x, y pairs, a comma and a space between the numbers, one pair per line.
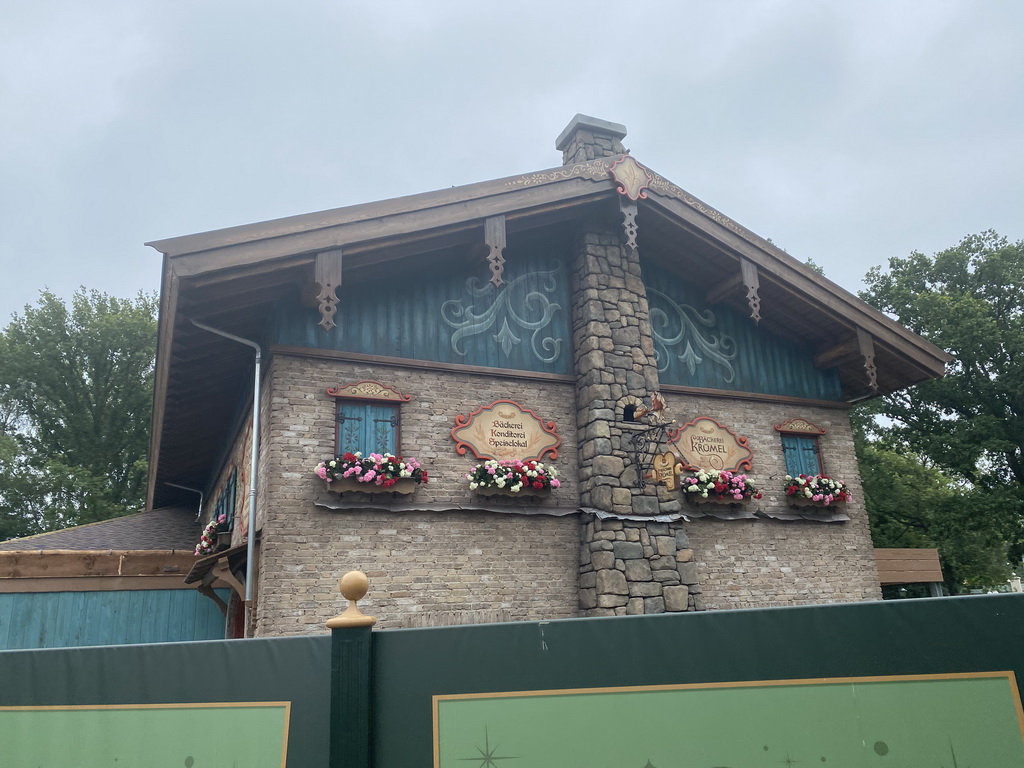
789, 761
487, 756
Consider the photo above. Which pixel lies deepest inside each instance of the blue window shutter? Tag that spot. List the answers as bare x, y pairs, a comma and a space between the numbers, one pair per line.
383, 426
801, 454
367, 427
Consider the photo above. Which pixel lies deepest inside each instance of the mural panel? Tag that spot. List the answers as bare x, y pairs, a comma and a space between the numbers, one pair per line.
452, 317
716, 348
917, 722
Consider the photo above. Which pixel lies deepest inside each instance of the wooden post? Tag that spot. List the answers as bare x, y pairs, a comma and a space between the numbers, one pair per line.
350, 677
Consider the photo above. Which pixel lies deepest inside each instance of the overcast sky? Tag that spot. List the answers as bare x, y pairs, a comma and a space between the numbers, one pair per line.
847, 132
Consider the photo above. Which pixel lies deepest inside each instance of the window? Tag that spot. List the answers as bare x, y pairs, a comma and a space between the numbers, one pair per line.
800, 447
802, 455
367, 417
226, 502
367, 427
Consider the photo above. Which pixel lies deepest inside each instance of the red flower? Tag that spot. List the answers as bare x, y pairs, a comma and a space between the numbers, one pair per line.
538, 484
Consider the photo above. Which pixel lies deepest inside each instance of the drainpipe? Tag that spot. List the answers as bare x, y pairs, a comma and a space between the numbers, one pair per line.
199, 512
250, 550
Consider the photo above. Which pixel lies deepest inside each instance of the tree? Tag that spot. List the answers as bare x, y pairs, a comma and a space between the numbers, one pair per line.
969, 426
75, 404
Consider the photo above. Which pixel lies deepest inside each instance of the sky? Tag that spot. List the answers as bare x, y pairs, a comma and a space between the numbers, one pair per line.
847, 132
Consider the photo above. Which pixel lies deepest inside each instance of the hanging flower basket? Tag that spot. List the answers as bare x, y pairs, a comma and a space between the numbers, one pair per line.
718, 488
376, 473
513, 478
815, 491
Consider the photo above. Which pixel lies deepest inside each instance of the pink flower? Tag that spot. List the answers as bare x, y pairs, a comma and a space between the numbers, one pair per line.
555, 483
321, 472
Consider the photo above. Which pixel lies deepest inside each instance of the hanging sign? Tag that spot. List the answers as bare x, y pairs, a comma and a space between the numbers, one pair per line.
505, 430
705, 444
666, 470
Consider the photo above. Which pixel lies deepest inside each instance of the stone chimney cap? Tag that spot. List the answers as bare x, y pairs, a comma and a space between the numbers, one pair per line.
591, 124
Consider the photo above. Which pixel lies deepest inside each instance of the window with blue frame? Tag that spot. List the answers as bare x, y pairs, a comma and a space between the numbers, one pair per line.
367, 418
801, 447
226, 502
367, 427
803, 456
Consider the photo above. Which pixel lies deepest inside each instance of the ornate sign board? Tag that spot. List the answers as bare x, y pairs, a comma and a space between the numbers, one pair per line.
705, 444
505, 430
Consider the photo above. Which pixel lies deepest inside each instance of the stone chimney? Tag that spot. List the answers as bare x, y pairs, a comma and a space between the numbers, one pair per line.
586, 138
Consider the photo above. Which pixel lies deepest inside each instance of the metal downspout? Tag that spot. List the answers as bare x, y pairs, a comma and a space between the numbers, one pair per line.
250, 549
199, 513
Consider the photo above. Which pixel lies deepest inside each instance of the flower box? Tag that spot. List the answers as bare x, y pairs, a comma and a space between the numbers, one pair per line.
403, 486
713, 498
829, 492
803, 501
524, 491
524, 476
721, 487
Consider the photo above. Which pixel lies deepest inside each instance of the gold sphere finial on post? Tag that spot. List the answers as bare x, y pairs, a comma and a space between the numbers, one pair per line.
353, 586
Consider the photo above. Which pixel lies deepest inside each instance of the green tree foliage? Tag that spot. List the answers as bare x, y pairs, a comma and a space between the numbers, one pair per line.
959, 440
75, 404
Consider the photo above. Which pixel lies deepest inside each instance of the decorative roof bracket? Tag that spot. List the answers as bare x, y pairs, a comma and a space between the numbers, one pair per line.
328, 280
629, 228
867, 351
748, 270
494, 239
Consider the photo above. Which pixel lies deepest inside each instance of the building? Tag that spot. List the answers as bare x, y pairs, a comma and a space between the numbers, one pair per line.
565, 299
115, 582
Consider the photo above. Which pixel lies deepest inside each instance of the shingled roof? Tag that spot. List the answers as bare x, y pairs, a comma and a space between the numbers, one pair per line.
169, 528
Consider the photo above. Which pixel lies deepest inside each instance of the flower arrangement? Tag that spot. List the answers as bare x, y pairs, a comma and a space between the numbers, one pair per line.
817, 488
513, 475
208, 539
722, 486
383, 470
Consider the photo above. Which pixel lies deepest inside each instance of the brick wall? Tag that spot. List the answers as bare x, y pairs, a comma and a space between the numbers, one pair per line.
467, 565
763, 562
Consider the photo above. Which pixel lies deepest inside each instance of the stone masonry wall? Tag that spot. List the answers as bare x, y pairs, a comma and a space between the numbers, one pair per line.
614, 363
465, 565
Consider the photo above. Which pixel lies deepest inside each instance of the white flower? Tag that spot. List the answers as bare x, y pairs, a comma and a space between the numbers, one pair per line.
473, 486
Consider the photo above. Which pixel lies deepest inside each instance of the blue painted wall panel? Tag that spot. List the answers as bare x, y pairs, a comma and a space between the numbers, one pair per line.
716, 348
68, 619
451, 317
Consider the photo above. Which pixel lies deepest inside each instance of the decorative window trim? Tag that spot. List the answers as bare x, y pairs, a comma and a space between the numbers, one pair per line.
801, 427
369, 391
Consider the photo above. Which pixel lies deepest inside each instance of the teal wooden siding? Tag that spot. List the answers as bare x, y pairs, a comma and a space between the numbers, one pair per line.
801, 455
716, 348
69, 619
450, 317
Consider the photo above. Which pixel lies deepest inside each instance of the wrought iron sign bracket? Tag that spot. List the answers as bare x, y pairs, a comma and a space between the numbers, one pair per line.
644, 443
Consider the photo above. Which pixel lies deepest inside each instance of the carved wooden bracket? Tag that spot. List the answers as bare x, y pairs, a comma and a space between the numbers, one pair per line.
629, 228
867, 351
369, 390
751, 282
799, 426
494, 239
328, 280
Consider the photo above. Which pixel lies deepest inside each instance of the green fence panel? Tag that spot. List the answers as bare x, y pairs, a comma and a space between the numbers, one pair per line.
903, 639
170, 700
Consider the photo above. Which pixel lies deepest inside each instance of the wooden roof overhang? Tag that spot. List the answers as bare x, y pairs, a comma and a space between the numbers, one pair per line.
231, 278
